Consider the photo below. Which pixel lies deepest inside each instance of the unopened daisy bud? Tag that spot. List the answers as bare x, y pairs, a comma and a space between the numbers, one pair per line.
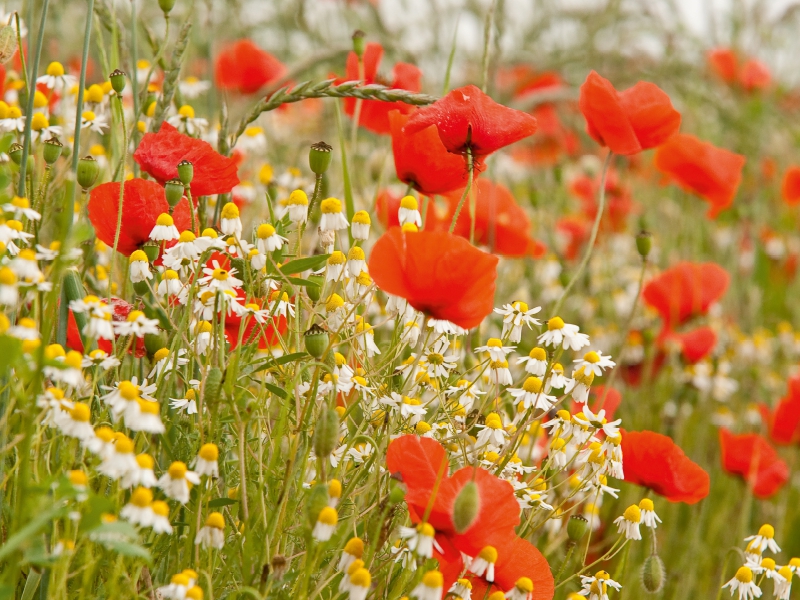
319, 157
174, 190
52, 150
358, 42
117, 79
577, 527
326, 524
430, 588
333, 218
316, 341
466, 507
326, 433
644, 242
297, 204
360, 225
88, 170
653, 574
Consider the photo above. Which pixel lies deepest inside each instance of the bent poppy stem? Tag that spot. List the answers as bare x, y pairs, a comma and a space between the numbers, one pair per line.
567, 558
121, 202
470, 168
601, 203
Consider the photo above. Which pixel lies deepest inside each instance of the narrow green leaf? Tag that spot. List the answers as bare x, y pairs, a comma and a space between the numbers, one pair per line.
304, 264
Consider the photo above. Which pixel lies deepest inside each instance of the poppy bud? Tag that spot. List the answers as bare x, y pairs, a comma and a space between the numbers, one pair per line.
397, 494
315, 291
644, 241
316, 340
166, 5
185, 172
319, 157
358, 42
317, 500
326, 433
88, 170
117, 79
8, 43
466, 507
153, 342
213, 386
653, 574
577, 527
150, 248
52, 150
15, 152
174, 191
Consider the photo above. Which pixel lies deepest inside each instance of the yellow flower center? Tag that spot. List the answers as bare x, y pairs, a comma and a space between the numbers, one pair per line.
328, 516
265, 230
215, 520
186, 111
55, 69
142, 497
165, 220
744, 575
330, 206
433, 579
409, 202
177, 470
632, 514
489, 554
209, 452
230, 211
362, 218
532, 385
555, 323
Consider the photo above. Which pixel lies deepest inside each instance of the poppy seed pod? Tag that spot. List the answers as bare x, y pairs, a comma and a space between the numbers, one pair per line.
644, 242
185, 172
150, 248
174, 191
326, 433
466, 507
319, 157
653, 574
316, 340
577, 527
213, 386
358, 42
315, 291
52, 150
397, 494
166, 5
88, 170
117, 79
15, 152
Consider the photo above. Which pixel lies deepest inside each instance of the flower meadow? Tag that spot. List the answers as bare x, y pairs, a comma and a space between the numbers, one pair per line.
338, 300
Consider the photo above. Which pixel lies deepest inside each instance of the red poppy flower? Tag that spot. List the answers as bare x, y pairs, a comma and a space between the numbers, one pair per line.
696, 344
724, 63
244, 67
267, 335
466, 118
619, 204
790, 189
654, 461
712, 173
627, 122
374, 113
422, 463
120, 310
573, 232
159, 154
751, 457
422, 161
785, 421
143, 202
553, 139
500, 223
755, 75
685, 290
439, 273
601, 398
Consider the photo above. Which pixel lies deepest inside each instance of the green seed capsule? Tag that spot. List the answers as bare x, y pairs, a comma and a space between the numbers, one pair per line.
326, 433
88, 170
577, 527
315, 291
52, 150
15, 152
185, 172
644, 242
466, 507
319, 157
213, 386
653, 574
174, 191
150, 248
316, 340
358, 42
117, 79
397, 494
166, 5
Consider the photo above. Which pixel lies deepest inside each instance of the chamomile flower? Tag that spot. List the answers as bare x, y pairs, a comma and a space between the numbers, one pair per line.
212, 534
522, 590
326, 524
139, 509
217, 278
409, 211
333, 218
783, 583
743, 583
139, 267
177, 587
100, 358
491, 432
136, 324
444, 327
495, 349
118, 459
515, 315
143, 476
191, 87
649, 516
499, 373
229, 222
161, 522
268, 240
564, 335
356, 261
595, 363
21, 208
334, 269
206, 461
430, 588
421, 539
596, 587
628, 523
297, 205
579, 385
164, 229
186, 121
76, 423
360, 225
436, 361
532, 395
177, 482
597, 421
94, 122
187, 404
9, 292
412, 409
171, 286
359, 584
765, 540
461, 588
147, 418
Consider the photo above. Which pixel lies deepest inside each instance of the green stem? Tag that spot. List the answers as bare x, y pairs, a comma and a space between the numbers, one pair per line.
470, 168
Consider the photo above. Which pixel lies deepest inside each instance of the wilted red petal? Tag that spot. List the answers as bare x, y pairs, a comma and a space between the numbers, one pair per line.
653, 460
710, 172
751, 457
627, 122
468, 118
374, 114
143, 202
438, 273
159, 154
244, 67
685, 290
790, 189
422, 161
